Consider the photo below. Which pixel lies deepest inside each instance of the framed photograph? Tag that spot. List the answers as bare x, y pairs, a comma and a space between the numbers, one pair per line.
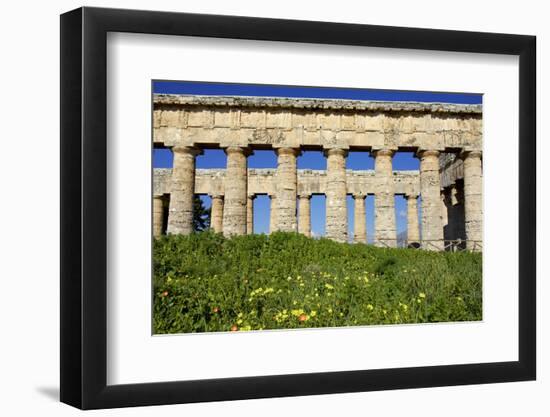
258, 208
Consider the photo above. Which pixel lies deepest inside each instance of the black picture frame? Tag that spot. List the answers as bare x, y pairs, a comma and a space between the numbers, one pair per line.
84, 207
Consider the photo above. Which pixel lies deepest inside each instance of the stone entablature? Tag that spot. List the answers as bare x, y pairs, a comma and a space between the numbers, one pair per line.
322, 124
310, 182
451, 168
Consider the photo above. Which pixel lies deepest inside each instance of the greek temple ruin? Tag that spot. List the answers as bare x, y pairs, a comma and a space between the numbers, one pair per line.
446, 191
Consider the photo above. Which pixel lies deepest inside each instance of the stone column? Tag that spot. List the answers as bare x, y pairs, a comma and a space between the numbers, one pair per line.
216, 213
304, 223
432, 227
385, 233
360, 222
180, 213
236, 184
273, 214
336, 210
250, 214
473, 201
413, 231
287, 185
158, 215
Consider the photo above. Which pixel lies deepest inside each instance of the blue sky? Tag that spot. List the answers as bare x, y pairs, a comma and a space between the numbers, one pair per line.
215, 158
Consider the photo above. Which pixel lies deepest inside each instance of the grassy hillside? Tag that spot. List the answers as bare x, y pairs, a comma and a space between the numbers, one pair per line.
205, 283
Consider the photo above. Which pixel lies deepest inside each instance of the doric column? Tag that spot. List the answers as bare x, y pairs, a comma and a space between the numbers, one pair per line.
287, 185
180, 213
473, 201
273, 213
336, 210
360, 222
216, 213
250, 214
432, 227
304, 223
413, 231
236, 184
158, 215
384, 199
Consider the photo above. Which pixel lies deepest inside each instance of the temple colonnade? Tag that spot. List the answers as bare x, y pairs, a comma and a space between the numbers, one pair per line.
340, 128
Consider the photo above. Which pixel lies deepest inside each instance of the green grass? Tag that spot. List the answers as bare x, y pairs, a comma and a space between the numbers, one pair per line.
207, 283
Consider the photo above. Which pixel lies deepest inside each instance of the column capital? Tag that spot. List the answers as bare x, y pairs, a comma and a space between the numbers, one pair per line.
286, 150
158, 196
359, 196
304, 195
335, 151
411, 195
421, 153
244, 150
470, 154
216, 195
187, 150
382, 152
251, 196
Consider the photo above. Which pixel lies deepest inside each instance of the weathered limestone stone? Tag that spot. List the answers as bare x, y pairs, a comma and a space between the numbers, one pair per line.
384, 199
287, 186
325, 123
234, 216
180, 215
360, 222
413, 232
158, 215
310, 181
432, 227
304, 223
250, 214
216, 216
473, 202
336, 210
273, 214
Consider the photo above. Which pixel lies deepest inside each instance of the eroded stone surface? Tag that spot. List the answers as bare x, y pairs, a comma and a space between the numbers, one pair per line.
235, 197
182, 189
304, 222
360, 225
336, 209
432, 226
473, 202
287, 183
413, 230
384, 199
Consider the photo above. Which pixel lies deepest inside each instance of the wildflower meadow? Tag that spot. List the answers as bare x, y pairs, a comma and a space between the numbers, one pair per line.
207, 283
